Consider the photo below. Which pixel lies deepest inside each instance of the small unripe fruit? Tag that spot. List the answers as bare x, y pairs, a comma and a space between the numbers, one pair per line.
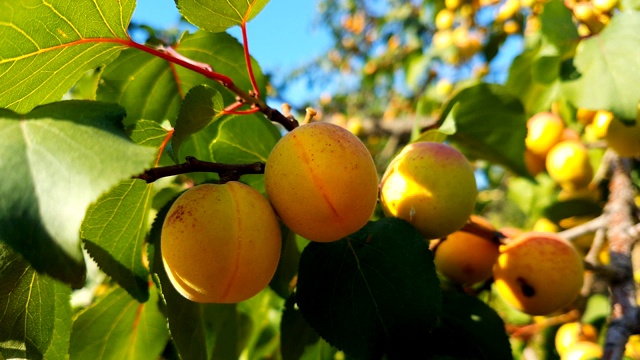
538, 273
432, 186
543, 131
568, 164
220, 243
322, 182
466, 258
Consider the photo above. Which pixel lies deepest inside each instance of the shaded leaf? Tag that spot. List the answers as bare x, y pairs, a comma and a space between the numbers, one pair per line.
217, 15
151, 88
40, 60
54, 161
557, 27
200, 107
487, 122
607, 62
35, 316
535, 96
469, 328
113, 232
284, 279
118, 327
373, 292
296, 334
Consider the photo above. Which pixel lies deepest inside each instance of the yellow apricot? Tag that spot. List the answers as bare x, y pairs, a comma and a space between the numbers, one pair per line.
432, 186
585, 116
322, 181
220, 243
535, 163
623, 139
543, 131
601, 121
632, 348
444, 19
572, 332
538, 273
583, 350
467, 258
568, 164
605, 5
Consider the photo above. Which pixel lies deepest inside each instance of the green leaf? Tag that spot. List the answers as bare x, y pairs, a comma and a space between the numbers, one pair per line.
218, 15
40, 60
113, 232
57, 160
607, 62
35, 316
198, 330
120, 328
296, 334
147, 133
557, 27
534, 95
488, 122
469, 328
243, 139
151, 88
284, 279
373, 292
200, 107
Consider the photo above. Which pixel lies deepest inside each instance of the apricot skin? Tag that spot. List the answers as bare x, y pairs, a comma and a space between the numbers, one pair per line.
538, 273
430, 185
220, 243
322, 182
543, 131
467, 258
568, 164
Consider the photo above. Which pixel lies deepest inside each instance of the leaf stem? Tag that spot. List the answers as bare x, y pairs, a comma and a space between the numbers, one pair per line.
247, 59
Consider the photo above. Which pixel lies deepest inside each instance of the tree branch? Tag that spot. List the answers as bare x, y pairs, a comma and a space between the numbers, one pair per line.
621, 209
227, 172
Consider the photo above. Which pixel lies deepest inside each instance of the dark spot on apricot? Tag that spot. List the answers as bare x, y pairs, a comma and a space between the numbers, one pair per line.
527, 290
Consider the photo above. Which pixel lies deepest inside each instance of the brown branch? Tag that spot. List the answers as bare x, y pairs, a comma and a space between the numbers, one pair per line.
621, 209
227, 172
589, 227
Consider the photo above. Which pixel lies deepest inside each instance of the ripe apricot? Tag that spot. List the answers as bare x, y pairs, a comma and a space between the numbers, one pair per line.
467, 258
544, 130
430, 185
623, 139
220, 243
568, 164
572, 332
322, 181
538, 273
583, 350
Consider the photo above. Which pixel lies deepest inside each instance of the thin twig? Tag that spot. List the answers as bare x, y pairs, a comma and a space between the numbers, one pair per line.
227, 172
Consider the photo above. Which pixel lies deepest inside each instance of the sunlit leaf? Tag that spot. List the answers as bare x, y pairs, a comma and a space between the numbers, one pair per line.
113, 232
41, 59
218, 15
120, 328
148, 133
36, 314
373, 292
488, 122
58, 159
607, 62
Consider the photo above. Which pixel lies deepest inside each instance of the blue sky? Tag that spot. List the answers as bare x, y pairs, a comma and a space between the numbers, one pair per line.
281, 37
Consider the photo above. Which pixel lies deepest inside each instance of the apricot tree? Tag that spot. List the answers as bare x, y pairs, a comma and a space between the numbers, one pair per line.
154, 205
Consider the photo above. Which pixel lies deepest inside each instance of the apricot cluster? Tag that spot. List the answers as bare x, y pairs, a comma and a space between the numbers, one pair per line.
221, 243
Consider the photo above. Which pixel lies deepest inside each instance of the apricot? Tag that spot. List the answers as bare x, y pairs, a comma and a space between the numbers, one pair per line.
568, 164
544, 130
322, 181
220, 243
572, 332
583, 350
466, 258
444, 19
535, 163
432, 186
538, 273
623, 139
